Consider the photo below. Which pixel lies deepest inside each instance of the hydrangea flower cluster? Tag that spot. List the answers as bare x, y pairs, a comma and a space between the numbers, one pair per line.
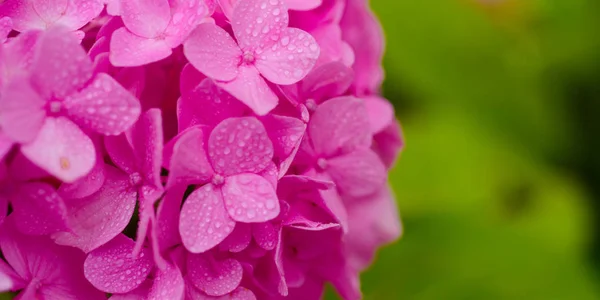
192, 149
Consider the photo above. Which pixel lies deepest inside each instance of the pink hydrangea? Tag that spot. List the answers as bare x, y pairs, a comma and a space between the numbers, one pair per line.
192, 149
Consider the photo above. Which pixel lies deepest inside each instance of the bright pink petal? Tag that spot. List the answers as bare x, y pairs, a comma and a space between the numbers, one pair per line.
289, 60
62, 149
286, 134
266, 235
357, 174
207, 104
100, 217
166, 227
6, 26
39, 209
22, 111
251, 89
271, 174
189, 78
212, 51
327, 81
120, 151
340, 125
103, 106
189, 163
79, 12
250, 198
204, 222
136, 13
147, 142
238, 240
214, 277
168, 283
60, 66
242, 293
239, 145
381, 112
388, 143
254, 22
112, 269
87, 185
303, 4
130, 50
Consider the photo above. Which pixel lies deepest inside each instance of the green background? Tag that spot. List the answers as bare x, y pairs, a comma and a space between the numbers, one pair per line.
498, 186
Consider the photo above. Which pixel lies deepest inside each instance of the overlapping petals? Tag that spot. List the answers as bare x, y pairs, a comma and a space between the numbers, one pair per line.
192, 149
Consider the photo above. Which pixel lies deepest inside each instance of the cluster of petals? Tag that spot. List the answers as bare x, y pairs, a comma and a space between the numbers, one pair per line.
192, 149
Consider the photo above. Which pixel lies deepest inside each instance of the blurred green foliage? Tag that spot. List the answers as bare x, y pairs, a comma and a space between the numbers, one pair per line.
493, 202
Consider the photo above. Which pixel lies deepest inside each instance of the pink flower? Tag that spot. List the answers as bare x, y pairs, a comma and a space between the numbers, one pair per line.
59, 100
141, 42
265, 46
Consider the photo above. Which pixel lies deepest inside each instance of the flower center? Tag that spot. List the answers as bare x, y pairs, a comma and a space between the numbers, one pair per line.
218, 180
248, 57
54, 106
135, 179
321, 164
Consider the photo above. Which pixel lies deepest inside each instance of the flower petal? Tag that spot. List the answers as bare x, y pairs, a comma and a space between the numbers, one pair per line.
189, 162
136, 13
79, 12
147, 143
250, 198
60, 66
239, 145
39, 209
251, 89
6, 26
166, 227
266, 235
62, 149
255, 21
339, 126
167, 283
87, 185
327, 81
104, 106
23, 15
286, 134
130, 50
289, 60
204, 222
212, 276
22, 112
186, 15
112, 269
381, 112
357, 174
238, 240
303, 4
212, 51
97, 219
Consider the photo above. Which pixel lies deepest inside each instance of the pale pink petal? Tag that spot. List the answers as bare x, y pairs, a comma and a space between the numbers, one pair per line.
136, 13
212, 51
113, 7
212, 276
62, 149
112, 269
103, 106
381, 112
303, 4
327, 81
289, 60
79, 12
50, 11
250, 198
251, 89
168, 283
39, 209
22, 111
6, 283
339, 126
23, 15
60, 66
85, 186
204, 222
97, 219
130, 50
207, 104
266, 235
254, 22
239, 145
358, 173
286, 134
6, 26
189, 163
238, 240
185, 16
